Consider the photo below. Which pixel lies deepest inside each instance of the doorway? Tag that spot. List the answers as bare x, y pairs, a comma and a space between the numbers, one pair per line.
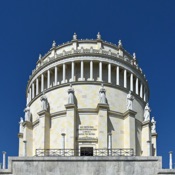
86, 151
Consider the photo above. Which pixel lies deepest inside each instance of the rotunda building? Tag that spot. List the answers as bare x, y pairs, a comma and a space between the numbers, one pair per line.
87, 98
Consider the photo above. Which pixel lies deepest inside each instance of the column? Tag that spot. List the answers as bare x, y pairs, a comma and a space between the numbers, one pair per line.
131, 82
37, 87
63, 140
27, 98
149, 147
64, 73
125, 78
56, 75
137, 86
42, 82
171, 160
91, 70
144, 97
141, 90
100, 71
109, 73
25, 148
33, 90
63, 143
30, 94
48, 78
4, 160
82, 70
73, 70
117, 75
109, 144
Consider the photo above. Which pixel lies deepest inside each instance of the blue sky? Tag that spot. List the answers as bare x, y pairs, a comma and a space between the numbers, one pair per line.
28, 28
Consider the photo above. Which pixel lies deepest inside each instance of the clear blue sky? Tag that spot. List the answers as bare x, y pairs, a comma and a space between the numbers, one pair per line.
28, 28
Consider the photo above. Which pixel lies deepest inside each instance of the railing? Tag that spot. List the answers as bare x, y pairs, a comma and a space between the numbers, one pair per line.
83, 152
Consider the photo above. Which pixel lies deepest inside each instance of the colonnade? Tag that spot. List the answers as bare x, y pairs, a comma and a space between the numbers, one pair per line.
130, 81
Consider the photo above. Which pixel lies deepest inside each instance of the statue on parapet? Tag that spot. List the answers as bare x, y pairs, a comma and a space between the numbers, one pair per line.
74, 36
98, 35
102, 95
27, 114
53, 44
44, 102
153, 127
147, 111
120, 43
130, 99
71, 95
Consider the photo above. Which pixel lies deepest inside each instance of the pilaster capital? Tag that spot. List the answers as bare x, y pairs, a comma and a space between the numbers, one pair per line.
102, 106
145, 123
20, 135
43, 113
27, 124
154, 135
70, 106
130, 113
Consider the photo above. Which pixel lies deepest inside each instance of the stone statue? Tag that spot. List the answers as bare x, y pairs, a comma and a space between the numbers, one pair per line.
40, 56
20, 125
153, 127
147, 111
130, 99
120, 43
98, 35
44, 102
54, 44
27, 114
70, 95
75, 36
102, 94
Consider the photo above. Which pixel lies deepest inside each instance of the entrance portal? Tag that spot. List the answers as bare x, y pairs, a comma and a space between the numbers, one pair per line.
86, 151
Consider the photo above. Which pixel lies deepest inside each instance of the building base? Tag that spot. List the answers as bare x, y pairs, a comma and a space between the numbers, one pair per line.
85, 166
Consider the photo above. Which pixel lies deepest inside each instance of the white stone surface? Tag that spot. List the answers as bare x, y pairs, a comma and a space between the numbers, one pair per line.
85, 166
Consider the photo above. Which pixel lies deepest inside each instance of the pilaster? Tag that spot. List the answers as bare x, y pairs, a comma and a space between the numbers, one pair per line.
21, 148
146, 136
44, 128
154, 143
28, 137
71, 126
102, 125
129, 130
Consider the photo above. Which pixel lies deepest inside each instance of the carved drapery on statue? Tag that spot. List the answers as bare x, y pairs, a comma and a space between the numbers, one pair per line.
71, 95
147, 111
44, 103
153, 127
27, 114
102, 95
21, 125
130, 99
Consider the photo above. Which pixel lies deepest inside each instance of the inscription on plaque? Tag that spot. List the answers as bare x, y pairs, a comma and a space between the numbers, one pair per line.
89, 131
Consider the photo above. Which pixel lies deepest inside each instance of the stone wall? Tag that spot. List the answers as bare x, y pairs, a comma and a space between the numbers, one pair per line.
85, 166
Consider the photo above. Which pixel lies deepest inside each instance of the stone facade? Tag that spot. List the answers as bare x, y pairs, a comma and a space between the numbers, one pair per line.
86, 64
87, 97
